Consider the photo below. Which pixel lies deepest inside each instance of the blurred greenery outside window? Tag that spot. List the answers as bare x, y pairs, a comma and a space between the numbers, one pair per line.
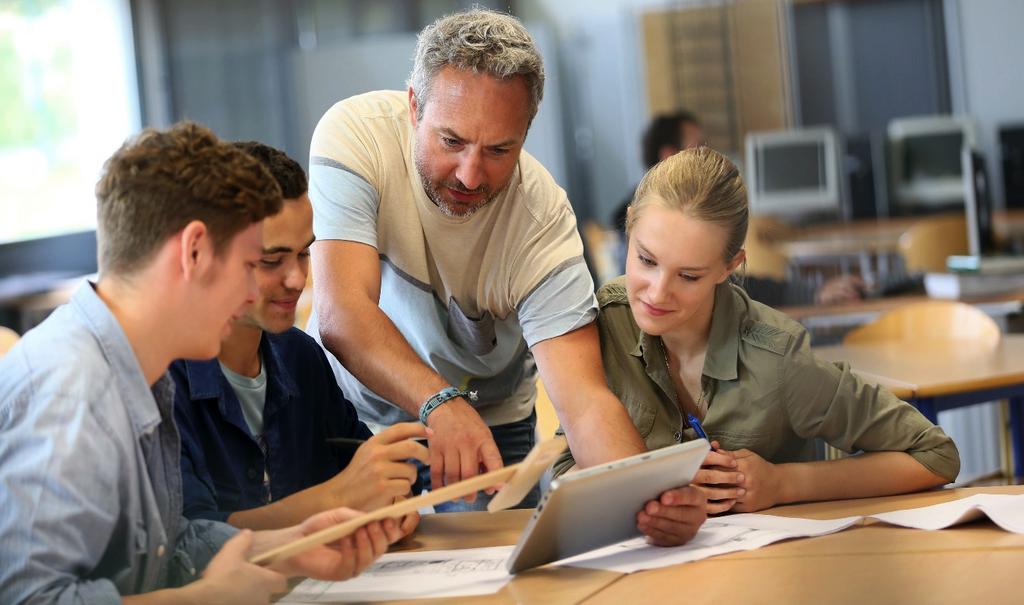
69, 99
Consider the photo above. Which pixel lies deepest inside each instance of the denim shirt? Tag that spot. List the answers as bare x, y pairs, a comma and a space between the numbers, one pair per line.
90, 487
225, 468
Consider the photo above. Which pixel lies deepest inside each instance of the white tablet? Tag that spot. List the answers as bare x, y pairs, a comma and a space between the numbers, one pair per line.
596, 507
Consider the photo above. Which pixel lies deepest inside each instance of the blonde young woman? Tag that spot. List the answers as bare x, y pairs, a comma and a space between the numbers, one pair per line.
684, 348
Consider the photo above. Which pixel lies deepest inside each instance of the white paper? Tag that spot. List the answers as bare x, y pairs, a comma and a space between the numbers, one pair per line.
804, 528
749, 531
717, 536
427, 574
1006, 511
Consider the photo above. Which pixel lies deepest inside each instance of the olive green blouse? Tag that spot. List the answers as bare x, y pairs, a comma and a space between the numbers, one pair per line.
766, 391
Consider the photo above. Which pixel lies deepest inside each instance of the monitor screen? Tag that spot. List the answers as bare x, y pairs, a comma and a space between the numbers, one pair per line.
929, 156
794, 173
790, 167
925, 172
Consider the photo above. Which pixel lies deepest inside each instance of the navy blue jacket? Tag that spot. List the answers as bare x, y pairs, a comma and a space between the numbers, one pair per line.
223, 466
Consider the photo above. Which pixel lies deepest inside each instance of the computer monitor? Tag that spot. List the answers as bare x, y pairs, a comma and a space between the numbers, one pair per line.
794, 173
925, 168
1011, 149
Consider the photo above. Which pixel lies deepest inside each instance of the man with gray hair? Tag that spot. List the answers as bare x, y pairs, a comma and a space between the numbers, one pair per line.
447, 261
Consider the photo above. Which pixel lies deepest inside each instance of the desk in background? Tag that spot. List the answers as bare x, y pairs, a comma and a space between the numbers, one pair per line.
846, 239
874, 245
947, 380
829, 323
26, 300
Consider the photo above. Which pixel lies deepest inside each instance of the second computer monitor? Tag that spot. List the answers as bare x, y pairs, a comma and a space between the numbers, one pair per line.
794, 173
925, 168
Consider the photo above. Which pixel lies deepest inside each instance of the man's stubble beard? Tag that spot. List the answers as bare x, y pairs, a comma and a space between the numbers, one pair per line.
435, 196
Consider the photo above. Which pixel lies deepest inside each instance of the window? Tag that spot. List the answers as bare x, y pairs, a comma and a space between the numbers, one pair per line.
70, 98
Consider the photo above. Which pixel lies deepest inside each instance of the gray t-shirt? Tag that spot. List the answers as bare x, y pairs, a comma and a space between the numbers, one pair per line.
470, 295
252, 395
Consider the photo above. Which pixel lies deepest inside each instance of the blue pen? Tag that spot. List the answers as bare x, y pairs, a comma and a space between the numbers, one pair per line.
697, 428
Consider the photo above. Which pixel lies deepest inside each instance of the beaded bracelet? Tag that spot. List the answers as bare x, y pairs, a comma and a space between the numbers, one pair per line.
442, 396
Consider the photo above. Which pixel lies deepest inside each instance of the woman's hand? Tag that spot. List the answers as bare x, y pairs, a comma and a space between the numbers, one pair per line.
720, 480
762, 482
673, 518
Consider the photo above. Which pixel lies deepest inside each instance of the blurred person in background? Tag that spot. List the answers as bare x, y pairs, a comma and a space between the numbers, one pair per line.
669, 133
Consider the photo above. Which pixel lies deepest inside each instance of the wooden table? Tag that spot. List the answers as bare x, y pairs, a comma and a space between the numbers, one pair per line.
846, 239
871, 563
941, 380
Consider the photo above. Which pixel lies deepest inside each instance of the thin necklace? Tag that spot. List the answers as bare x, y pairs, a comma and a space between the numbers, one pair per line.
701, 405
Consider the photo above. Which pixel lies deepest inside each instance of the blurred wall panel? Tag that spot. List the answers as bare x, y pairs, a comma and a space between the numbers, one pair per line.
898, 60
760, 63
987, 44
604, 96
816, 89
862, 63
727, 62
332, 72
227, 63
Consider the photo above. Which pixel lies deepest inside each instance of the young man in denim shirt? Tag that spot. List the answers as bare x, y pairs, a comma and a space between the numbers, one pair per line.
255, 421
90, 484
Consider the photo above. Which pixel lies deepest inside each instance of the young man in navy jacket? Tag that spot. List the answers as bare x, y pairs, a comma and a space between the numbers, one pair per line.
255, 421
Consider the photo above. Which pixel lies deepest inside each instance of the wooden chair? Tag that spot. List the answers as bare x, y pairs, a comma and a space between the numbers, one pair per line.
601, 245
934, 325
8, 338
763, 258
927, 243
304, 307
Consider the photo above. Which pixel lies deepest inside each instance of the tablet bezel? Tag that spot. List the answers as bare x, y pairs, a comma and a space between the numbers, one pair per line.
595, 507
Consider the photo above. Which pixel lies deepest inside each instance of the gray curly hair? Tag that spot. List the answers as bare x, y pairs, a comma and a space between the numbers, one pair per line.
478, 40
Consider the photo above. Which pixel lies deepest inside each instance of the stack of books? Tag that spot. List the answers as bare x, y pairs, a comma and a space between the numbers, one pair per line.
973, 276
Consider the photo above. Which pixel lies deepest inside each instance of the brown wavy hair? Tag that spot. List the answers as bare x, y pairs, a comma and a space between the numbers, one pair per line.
161, 180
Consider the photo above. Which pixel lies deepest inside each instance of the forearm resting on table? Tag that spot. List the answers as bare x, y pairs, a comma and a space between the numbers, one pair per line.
862, 476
